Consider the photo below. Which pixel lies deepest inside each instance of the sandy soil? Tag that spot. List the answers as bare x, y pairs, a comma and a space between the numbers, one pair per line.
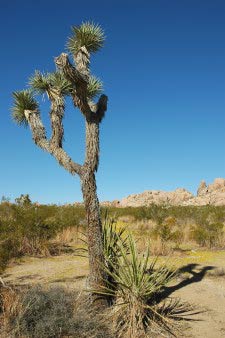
202, 282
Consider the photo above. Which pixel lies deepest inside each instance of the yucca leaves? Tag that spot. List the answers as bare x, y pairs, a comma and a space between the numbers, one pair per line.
39, 82
113, 241
47, 82
94, 87
135, 285
23, 100
132, 275
58, 81
87, 34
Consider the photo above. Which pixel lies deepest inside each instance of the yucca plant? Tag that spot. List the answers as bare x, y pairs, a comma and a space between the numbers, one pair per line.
89, 35
42, 83
94, 87
23, 100
136, 287
113, 239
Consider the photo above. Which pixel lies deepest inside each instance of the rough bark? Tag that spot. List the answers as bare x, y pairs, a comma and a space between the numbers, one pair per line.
78, 80
78, 77
94, 231
39, 137
92, 146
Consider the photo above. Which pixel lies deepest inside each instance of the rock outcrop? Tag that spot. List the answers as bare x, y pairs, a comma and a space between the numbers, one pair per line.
147, 198
202, 189
213, 194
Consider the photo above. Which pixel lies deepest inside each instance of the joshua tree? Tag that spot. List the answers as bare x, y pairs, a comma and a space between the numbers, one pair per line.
74, 80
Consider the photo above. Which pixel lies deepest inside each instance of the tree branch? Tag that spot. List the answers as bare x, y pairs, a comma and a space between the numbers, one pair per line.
40, 139
93, 113
78, 80
82, 59
56, 116
71, 73
78, 77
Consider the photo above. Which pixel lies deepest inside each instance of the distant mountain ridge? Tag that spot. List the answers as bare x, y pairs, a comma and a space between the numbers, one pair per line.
213, 194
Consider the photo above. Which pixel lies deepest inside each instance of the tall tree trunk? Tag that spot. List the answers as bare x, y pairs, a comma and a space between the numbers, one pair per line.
94, 231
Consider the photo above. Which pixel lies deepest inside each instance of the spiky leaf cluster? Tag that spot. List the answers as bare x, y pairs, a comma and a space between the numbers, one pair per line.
94, 87
45, 82
58, 81
39, 82
87, 34
23, 100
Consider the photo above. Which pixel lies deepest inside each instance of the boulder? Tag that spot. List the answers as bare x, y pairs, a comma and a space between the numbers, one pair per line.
213, 194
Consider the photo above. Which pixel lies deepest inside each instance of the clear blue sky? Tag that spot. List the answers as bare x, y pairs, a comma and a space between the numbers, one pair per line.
163, 67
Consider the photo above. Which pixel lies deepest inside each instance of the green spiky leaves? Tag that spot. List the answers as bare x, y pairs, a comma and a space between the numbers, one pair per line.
47, 82
94, 87
23, 100
39, 82
58, 81
87, 34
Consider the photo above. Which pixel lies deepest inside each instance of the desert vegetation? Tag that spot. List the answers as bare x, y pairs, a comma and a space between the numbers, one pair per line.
127, 257
40, 230
135, 283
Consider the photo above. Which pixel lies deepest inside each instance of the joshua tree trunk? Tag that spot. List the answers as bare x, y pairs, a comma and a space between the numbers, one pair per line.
89, 189
96, 259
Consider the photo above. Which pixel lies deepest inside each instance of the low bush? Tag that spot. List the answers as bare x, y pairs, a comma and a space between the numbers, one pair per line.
49, 313
166, 232
210, 235
27, 229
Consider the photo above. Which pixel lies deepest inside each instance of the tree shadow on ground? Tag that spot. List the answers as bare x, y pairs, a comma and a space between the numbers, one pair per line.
196, 277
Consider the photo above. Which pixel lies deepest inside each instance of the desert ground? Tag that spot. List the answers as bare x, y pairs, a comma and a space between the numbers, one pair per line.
201, 282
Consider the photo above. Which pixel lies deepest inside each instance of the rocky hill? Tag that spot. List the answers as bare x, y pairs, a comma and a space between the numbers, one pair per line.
213, 194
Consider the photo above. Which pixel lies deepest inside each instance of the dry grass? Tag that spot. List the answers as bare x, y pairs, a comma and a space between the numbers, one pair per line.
49, 312
68, 236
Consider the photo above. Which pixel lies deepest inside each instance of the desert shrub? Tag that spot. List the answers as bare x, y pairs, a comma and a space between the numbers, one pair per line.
49, 313
45, 313
183, 214
27, 229
166, 232
32, 228
210, 235
9, 248
165, 229
28, 232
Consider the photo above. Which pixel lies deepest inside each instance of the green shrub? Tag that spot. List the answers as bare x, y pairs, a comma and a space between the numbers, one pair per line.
30, 227
210, 235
